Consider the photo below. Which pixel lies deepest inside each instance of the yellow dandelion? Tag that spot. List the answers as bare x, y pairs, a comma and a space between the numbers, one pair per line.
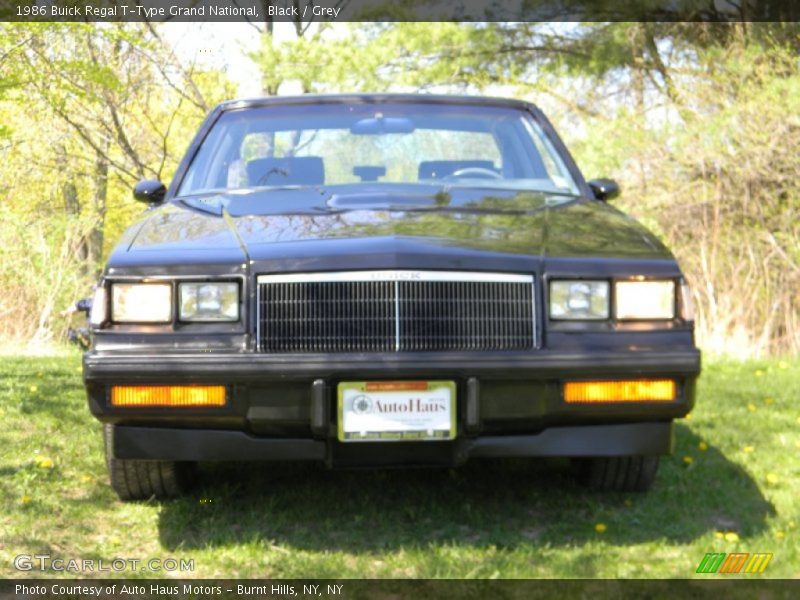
731, 536
628, 502
86, 478
792, 524
719, 535
25, 499
44, 462
600, 528
783, 364
751, 407
759, 373
688, 417
688, 459
702, 446
748, 449
33, 389
779, 535
772, 478
114, 540
769, 401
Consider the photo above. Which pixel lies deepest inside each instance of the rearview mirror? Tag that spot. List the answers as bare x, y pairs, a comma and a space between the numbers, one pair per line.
369, 172
604, 189
150, 192
380, 125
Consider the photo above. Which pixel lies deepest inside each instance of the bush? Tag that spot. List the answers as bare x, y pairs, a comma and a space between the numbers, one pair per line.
717, 176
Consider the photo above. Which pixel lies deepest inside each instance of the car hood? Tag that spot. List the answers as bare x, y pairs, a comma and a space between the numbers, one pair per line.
384, 220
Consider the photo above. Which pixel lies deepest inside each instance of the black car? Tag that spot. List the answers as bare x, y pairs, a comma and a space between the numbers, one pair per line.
368, 280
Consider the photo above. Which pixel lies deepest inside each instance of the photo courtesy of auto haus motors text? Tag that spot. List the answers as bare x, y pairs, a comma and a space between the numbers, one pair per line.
139, 590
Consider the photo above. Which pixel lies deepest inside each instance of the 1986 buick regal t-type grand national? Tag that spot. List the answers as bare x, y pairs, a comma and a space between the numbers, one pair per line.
376, 280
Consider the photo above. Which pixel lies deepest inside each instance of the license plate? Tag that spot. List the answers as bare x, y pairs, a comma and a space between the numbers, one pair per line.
390, 411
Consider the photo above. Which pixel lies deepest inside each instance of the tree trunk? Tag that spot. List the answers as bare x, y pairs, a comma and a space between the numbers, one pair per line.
639, 95
96, 235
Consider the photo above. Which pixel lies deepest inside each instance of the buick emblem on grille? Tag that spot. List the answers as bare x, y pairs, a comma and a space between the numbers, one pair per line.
396, 276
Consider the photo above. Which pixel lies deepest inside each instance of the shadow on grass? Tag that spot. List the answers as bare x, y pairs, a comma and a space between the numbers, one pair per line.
504, 503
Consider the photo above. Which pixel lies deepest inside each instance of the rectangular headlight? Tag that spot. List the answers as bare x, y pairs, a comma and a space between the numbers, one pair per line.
579, 300
645, 300
208, 301
141, 302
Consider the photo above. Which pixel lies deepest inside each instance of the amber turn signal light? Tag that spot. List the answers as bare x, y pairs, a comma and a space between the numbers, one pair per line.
639, 390
168, 395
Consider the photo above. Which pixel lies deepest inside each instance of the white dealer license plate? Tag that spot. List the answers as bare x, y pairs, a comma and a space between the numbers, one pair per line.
388, 411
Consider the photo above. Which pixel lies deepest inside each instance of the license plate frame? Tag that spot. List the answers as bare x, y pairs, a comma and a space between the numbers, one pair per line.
396, 411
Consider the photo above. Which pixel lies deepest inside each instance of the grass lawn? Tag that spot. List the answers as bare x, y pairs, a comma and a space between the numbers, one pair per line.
733, 484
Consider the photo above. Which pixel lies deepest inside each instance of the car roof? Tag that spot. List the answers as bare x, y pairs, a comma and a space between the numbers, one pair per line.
377, 99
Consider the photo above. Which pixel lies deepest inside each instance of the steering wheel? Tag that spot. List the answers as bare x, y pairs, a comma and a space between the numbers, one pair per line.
476, 172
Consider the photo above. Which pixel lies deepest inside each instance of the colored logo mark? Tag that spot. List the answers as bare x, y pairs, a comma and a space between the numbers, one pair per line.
734, 563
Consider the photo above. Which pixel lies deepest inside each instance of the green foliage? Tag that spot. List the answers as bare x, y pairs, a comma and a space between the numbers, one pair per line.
399, 56
720, 183
92, 110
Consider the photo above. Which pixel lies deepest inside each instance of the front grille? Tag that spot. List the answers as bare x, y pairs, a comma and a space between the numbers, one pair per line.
329, 316
395, 311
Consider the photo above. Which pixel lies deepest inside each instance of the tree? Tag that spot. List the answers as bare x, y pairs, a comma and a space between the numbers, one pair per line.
94, 108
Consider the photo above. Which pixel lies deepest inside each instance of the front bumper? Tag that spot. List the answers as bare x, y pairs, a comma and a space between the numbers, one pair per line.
153, 443
283, 406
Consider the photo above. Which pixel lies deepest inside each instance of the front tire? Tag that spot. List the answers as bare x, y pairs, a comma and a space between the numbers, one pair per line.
618, 473
144, 479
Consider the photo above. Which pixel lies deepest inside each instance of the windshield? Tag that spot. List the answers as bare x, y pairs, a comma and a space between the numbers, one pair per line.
330, 144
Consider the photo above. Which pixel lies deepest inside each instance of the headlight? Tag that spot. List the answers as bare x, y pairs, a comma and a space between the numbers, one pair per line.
645, 299
579, 300
209, 301
141, 302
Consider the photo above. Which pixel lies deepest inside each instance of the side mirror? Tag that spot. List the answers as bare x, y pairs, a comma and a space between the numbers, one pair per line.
150, 192
604, 189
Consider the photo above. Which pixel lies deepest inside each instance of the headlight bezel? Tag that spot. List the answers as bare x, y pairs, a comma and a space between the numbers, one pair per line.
175, 322
613, 315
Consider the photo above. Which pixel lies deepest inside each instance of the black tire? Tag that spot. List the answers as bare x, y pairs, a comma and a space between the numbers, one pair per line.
618, 473
144, 479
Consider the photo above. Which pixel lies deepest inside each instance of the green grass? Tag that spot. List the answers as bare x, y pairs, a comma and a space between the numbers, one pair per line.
739, 492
